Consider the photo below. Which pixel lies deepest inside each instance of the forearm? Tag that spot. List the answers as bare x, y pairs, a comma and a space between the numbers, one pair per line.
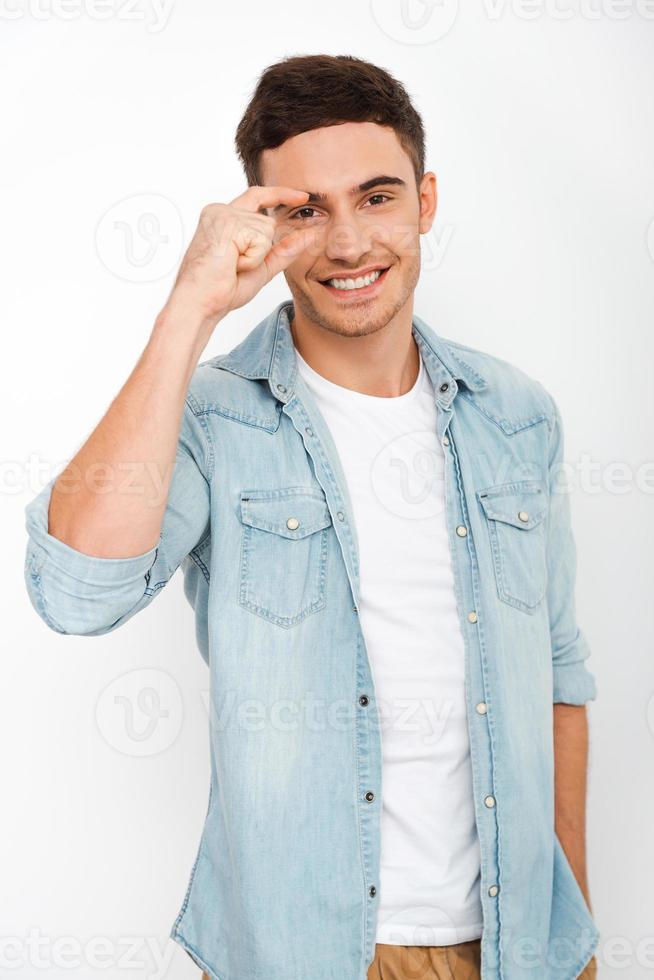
110, 499
570, 782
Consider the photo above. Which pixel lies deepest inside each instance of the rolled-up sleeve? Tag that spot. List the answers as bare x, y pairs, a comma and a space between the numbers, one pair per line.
76, 593
573, 682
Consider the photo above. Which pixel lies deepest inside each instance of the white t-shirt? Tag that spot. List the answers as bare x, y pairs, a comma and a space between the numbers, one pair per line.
393, 463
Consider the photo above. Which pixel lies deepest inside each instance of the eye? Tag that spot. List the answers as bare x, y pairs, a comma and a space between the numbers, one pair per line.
371, 199
298, 214
375, 200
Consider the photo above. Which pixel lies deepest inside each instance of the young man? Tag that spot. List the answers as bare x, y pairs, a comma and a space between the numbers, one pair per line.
381, 566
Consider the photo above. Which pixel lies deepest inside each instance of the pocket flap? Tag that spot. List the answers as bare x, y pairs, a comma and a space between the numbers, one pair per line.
293, 512
522, 503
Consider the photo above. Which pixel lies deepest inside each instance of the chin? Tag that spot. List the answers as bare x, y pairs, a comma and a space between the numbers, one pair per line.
364, 319
355, 321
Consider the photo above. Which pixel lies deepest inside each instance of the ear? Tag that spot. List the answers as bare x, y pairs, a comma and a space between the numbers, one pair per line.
428, 196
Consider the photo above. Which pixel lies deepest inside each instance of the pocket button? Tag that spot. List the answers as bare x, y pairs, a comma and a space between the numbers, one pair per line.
283, 557
518, 541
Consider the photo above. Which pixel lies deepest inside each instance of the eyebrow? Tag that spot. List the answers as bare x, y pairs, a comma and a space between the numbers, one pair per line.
316, 197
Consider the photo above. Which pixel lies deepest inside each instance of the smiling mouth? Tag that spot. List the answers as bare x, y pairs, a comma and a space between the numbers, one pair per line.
362, 284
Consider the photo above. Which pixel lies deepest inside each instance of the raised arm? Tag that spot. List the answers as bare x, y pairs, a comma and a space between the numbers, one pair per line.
110, 530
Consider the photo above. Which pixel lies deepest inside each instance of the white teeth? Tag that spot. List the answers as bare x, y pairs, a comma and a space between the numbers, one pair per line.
356, 283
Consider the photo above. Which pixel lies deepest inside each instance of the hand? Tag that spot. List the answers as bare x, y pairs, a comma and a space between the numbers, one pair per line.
232, 255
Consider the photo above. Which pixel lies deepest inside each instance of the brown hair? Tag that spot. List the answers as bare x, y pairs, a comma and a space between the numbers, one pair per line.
306, 92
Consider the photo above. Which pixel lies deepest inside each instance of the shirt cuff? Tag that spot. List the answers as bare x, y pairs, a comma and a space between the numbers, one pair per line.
573, 683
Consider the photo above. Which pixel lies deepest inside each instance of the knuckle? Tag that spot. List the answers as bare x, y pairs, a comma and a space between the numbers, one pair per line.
210, 211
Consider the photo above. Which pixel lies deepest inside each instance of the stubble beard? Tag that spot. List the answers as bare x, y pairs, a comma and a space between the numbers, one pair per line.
368, 317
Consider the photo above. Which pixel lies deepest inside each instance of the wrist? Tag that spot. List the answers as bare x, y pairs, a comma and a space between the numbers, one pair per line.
183, 311
186, 322
178, 338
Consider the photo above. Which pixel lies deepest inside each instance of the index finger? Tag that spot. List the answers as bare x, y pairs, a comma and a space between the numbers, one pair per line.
261, 196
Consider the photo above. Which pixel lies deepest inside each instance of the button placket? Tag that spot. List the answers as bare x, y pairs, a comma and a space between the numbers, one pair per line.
481, 708
369, 736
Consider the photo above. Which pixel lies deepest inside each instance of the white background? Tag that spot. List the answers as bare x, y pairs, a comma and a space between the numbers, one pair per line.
540, 130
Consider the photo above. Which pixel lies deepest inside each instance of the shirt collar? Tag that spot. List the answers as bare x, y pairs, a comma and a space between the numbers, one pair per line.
268, 352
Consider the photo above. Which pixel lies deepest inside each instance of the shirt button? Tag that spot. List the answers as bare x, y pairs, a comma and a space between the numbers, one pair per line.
281, 387
446, 441
309, 431
462, 530
523, 515
372, 891
370, 796
364, 700
481, 708
490, 801
292, 523
472, 617
340, 515
444, 386
493, 890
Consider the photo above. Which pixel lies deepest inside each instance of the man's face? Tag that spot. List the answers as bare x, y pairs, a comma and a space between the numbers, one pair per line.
359, 224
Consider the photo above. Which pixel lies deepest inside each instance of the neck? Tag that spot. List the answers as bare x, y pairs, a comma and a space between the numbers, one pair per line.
384, 363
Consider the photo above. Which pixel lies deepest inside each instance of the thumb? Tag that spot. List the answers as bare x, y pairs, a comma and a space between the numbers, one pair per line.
288, 248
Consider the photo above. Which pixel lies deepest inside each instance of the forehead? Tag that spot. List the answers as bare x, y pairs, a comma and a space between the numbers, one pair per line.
334, 157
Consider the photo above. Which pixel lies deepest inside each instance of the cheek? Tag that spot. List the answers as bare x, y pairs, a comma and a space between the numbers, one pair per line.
406, 239
311, 254
398, 235
301, 268
297, 271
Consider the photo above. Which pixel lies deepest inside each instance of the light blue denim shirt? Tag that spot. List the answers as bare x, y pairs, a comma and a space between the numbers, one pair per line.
285, 885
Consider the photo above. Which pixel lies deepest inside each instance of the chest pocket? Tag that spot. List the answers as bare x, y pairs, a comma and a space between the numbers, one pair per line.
515, 514
284, 542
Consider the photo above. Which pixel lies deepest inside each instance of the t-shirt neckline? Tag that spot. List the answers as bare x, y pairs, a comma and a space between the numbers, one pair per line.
340, 390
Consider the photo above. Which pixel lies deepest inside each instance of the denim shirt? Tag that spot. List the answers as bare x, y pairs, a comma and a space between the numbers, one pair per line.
285, 882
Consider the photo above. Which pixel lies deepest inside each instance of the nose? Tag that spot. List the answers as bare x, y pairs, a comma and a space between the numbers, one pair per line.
347, 239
